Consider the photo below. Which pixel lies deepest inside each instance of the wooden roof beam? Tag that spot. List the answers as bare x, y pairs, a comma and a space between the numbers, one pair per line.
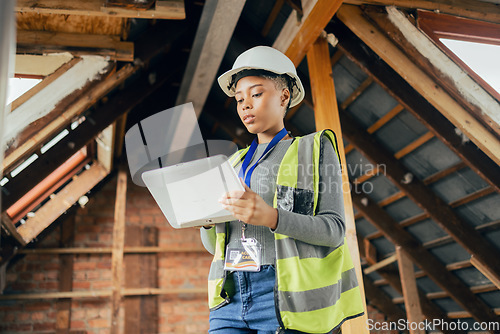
164, 9
61, 202
43, 42
448, 282
382, 301
478, 10
412, 101
217, 23
295, 40
353, 17
442, 213
389, 272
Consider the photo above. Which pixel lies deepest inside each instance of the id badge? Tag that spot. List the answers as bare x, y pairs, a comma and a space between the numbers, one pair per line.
243, 255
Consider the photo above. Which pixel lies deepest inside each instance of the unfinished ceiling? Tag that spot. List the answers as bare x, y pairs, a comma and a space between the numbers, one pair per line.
421, 136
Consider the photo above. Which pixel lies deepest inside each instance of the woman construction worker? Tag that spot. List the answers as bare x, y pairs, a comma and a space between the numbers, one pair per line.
284, 265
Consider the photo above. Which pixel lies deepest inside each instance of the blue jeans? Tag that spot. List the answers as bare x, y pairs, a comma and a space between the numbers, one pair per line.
251, 310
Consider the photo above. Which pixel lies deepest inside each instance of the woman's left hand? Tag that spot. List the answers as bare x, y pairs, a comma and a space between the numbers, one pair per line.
250, 208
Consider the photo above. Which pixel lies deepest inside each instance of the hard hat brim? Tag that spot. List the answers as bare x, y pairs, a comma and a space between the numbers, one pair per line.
225, 79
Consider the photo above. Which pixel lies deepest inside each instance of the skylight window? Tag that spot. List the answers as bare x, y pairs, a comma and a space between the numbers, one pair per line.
481, 58
19, 86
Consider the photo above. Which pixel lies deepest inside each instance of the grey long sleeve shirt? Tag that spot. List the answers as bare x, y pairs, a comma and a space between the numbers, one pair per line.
326, 228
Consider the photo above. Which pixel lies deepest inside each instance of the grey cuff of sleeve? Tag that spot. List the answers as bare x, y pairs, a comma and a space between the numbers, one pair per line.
282, 217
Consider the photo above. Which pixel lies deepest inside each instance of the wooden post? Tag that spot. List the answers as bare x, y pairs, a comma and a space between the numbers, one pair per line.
118, 244
410, 291
141, 271
65, 277
327, 116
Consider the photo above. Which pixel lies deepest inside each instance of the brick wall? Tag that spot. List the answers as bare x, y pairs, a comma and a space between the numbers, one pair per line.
186, 313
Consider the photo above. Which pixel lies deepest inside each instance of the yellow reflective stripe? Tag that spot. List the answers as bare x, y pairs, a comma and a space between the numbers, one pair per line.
295, 274
323, 320
236, 158
214, 290
278, 236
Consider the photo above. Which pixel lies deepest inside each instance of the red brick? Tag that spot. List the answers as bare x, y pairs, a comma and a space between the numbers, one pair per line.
38, 306
99, 323
81, 285
84, 265
37, 316
45, 326
77, 324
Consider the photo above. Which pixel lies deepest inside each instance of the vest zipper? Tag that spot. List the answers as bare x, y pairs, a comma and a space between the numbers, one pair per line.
281, 329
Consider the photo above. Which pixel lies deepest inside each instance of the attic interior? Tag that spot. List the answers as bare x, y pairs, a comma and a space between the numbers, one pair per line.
84, 250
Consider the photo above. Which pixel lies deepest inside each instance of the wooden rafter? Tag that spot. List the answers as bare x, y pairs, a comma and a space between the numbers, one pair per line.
216, 27
382, 301
62, 116
61, 202
165, 9
43, 42
118, 244
462, 118
442, 213
478, 10
446, 69
410, 290
416, 104
448, 282
272, 17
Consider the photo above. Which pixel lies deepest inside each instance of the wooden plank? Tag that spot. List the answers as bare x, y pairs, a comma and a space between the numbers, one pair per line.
82, 103
442, 213
414, 145
410, 290
310, 29
477, 10
60, 202
391, 277
326, 116
416, 104
83, 24
217, 23
448, 70
472, 197
43, 42
395, 233
385, 262
485, 271
63, 305
385, 119
105, 114
272, 17
382, 301
8, 224
105, 147
357, 92
130, 4
104, 250
352, 16
44, 83
103, 293
165, 9
118, 244
141, 270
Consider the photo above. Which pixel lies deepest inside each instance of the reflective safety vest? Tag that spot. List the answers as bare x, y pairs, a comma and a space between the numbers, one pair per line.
316, 286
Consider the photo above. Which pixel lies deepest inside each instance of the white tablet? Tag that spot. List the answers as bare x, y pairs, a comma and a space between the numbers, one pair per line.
188, 193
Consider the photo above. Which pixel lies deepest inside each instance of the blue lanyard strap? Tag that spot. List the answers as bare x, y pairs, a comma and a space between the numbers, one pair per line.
251, 151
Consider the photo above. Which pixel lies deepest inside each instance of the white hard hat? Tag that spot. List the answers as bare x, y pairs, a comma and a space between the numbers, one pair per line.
267, 59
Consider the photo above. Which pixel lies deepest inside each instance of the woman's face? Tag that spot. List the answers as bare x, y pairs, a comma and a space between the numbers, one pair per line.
260, 105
